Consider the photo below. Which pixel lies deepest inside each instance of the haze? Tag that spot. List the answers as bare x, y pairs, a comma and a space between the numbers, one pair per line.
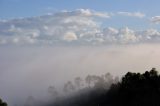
29, 71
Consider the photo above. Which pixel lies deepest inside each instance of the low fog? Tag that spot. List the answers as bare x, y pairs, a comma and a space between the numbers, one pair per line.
29, 71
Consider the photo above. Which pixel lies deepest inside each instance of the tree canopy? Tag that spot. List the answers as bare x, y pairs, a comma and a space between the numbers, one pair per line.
2, 103
134, 89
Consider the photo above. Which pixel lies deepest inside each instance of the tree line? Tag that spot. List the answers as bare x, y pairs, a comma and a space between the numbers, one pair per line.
134, 89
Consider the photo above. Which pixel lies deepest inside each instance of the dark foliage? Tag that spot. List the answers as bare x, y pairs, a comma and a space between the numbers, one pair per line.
135, 89
2, 103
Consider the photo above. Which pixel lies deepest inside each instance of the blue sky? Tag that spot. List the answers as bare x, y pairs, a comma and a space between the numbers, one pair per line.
79, 21
26, 8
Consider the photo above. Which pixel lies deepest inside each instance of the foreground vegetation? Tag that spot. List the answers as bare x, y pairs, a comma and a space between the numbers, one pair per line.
134, 89
2, 103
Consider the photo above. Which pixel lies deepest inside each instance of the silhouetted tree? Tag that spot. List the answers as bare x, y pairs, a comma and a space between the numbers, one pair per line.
137, 90
2, 103
134, 89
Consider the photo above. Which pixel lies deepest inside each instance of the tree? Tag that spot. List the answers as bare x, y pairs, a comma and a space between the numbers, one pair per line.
99, 82
153, 72
137, 90
78, 82
2, 103
52, 91
108, 77
88, 80
68, 87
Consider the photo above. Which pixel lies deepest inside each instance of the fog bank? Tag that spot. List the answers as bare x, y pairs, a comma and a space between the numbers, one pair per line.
29, 71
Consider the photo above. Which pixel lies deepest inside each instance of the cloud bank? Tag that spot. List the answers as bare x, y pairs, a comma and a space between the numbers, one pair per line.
80, 26
29, 71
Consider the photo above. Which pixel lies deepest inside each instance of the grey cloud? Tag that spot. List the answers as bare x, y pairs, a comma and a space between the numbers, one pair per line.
155, 19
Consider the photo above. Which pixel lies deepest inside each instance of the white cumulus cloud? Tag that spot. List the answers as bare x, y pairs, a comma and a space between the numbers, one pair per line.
70, 36
73, 27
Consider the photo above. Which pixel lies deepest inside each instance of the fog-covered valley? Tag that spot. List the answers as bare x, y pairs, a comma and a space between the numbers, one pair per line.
31, 71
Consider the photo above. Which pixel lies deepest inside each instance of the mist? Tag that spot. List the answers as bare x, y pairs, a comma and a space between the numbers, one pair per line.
29, 71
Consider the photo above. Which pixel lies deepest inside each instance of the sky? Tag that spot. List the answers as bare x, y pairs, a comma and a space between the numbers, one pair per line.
78, 22
23, 8
48, 42
10, 9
